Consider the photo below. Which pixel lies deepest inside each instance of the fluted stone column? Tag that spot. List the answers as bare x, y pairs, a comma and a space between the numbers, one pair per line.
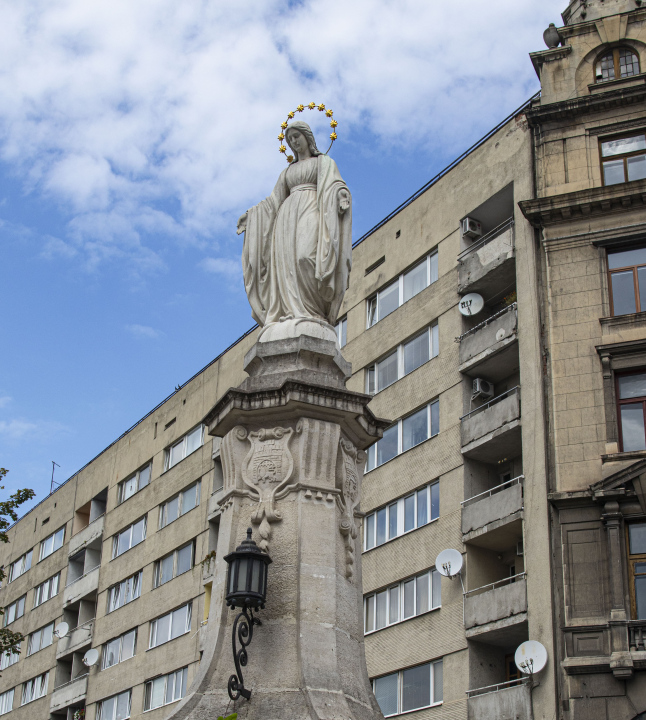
293, 459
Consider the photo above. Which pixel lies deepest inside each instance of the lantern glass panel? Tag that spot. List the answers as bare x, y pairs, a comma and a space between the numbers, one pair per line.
242, 575
232, 572
256, 576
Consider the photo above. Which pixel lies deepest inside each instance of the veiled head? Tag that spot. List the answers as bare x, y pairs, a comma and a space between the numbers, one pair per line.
304, 129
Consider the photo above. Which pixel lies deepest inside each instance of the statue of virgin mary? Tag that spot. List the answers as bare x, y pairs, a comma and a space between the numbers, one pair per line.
297, 250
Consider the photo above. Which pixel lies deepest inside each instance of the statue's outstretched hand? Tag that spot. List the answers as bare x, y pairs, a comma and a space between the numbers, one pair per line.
344, 200
242, 223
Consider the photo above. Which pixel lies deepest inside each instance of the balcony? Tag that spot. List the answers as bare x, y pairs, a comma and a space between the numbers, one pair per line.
81, 587
495, 513
492, 431
490, 349
214, 499
497, 613
77, 639
72, 693
506, 701
488, 265
89, 534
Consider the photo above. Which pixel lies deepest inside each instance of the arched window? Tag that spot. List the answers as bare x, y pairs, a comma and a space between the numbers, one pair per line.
618, 63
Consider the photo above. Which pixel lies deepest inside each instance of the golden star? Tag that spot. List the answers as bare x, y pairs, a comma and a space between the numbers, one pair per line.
321, 107
333, 123
290, 115
311, 106
290, 158
329, 113
282, 149
281, 137
333, 136
283, 125
300, 108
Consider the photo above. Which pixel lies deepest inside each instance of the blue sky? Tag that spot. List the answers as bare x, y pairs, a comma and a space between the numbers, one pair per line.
132, 136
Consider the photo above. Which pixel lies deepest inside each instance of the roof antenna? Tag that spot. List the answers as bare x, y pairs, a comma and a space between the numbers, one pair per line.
51, 487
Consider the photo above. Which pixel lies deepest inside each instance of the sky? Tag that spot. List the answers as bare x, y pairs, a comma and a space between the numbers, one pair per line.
132, 137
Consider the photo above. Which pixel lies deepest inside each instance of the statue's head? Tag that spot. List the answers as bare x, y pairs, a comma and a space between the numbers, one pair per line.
303, 129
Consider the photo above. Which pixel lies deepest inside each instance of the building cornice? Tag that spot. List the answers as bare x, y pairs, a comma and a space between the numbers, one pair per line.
541, 57
584, 203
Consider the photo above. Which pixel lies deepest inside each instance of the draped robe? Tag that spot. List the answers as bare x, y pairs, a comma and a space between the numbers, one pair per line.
297, 251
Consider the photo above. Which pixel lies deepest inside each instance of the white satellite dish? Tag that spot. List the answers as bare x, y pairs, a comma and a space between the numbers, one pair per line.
449, 563
471, 304
61, 630
90, 657
530, 657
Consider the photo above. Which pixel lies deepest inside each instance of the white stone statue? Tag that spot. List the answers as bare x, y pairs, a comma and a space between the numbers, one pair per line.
297, 250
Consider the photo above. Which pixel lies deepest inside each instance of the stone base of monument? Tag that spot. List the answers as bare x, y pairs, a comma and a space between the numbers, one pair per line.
293, 460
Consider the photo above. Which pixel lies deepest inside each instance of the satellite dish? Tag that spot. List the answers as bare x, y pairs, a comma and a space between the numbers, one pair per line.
90, 657
471, 304
449, 563
530, 657
61, 630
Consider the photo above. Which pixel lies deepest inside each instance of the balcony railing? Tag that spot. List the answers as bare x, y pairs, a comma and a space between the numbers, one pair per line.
510, 699
498, 230
497, 584
493, 401
637, 635
486, 322
496, 687
80, 577
488, 493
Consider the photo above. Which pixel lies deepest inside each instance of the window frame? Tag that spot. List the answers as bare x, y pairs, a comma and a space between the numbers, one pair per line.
400, 684
99, 715
180, 510
43, 688
49, 582
153, 625
432, 330
120, 659
399, 586
616, 64
137, 476
5, 621
184, 440
632, 560
26, 560
627, 401
374, 298
136, 587
10, 703
41, 554
341, 330
6, 657
626, 268
30, 639
175, 555
149, 684
128, 528
620, 156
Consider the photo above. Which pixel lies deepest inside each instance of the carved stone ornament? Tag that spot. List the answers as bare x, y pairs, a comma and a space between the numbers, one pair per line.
352, 460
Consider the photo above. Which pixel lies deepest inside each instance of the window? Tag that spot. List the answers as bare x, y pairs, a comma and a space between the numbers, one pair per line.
184, 447
116, 707
402, 601
119, 649
124, 592
133, 484
8, 659
131, 536
52, 543
170, 626
46, 590
6, 701
165, 689
179, 505
411, 689
14, 611
40, 639
402, 516
341, 329
174, 564
631, 404
623, 159
637, 568
627, 270
405, 434
406, 286
34, 689
402, 360
20, 566
617, 64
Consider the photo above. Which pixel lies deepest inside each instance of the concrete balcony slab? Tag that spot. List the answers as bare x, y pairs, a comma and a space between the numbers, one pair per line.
76, 639
503, 702
490, 350
491, 612
489, 265
71, 693
214, 507
494, 508
86, 536
493, 431
84, 586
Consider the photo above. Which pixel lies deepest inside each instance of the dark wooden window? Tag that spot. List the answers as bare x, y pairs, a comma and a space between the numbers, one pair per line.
631, 406
627, 281
623, 158
616, 64
636, 542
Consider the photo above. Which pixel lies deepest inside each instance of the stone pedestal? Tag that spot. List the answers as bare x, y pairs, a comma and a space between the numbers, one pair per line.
293, 459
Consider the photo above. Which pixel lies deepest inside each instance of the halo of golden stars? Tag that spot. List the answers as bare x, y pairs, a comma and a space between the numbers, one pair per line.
290, 116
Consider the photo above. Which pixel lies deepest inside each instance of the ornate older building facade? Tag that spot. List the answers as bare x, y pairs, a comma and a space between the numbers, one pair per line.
518, 438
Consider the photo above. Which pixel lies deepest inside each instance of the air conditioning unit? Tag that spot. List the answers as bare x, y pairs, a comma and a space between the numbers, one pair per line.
471, 228
482, 389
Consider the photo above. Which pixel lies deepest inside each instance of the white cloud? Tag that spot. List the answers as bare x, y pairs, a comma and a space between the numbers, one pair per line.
144, 332
222, 266
16, 429
5, 400
119, 111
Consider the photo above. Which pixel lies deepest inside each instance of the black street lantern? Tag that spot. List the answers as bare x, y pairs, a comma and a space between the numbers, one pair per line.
246, 589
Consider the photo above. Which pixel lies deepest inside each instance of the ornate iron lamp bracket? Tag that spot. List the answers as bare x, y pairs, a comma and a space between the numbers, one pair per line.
243, 628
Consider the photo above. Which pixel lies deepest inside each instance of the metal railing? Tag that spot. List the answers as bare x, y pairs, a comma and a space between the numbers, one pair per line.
494, 490
637, 634
494, 585
493, 401
69, 682
486, 322
498, 230
497, 687
80, 577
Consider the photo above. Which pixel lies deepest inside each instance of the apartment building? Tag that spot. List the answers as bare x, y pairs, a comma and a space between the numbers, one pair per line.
518, 438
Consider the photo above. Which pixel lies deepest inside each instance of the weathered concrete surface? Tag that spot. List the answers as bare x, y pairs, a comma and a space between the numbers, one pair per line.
86, 536
75, 640
85, 585
492, 352
514, 703
66, 695
489, 509
476, 274
495, 416
293, 460
496, 604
